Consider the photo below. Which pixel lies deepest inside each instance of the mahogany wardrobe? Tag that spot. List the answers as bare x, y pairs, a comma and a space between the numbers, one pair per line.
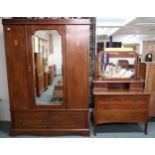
49, 56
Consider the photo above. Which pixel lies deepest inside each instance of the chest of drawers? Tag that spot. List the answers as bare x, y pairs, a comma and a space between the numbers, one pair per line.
121, 107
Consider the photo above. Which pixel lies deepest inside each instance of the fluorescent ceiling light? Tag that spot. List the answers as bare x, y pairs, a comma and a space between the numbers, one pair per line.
131, 35
145, 24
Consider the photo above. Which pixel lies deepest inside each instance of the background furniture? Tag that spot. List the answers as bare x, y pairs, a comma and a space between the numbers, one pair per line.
46, 80
50, 74
39, 74
27, 117
58, 90
120, 100
147, 73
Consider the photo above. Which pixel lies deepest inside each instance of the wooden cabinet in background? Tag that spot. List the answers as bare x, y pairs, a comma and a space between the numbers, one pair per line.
147, 73
50, 74
28, 117
39, 74
46, 80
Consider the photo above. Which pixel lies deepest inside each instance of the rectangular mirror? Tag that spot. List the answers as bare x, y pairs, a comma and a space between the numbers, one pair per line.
47, 50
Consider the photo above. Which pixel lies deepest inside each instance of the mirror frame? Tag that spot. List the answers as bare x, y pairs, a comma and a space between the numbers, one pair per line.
97, 75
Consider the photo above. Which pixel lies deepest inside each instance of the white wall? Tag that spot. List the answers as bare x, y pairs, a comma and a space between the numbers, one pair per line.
57, 53
4, 104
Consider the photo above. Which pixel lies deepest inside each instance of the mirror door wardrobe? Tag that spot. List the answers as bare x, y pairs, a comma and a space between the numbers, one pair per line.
48, 75
47, 56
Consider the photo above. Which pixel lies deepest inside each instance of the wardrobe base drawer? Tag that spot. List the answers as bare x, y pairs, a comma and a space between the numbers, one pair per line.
69, 120
31, 119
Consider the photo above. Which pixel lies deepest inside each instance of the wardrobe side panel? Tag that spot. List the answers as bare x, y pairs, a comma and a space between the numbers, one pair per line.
77, 37
16, 58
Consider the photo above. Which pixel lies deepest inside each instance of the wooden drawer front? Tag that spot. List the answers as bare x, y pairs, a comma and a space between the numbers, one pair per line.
69, 120
121, 102
32, 119
136, 86
103, 116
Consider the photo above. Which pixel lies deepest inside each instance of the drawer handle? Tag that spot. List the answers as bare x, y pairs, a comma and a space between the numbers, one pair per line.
8, 28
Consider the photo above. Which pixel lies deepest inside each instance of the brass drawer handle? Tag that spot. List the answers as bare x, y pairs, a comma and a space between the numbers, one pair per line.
8, 28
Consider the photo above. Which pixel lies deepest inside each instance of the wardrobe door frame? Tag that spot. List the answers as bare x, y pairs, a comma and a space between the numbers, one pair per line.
30, 30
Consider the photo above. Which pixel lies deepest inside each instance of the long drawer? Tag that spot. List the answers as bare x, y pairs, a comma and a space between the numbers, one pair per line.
121, 102
69, 120
104, 116
31, 119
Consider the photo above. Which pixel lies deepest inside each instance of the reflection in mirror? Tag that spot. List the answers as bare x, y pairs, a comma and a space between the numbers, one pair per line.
47, 49
117, 65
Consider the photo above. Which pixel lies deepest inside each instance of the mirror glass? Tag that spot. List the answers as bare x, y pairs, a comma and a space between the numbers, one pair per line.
47, 50
117, 65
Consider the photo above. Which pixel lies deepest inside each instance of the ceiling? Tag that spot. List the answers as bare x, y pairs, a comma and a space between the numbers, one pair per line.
143, 27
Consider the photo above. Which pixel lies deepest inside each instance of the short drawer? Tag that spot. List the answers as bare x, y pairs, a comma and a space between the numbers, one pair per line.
31, 119
69, 119
105, 116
